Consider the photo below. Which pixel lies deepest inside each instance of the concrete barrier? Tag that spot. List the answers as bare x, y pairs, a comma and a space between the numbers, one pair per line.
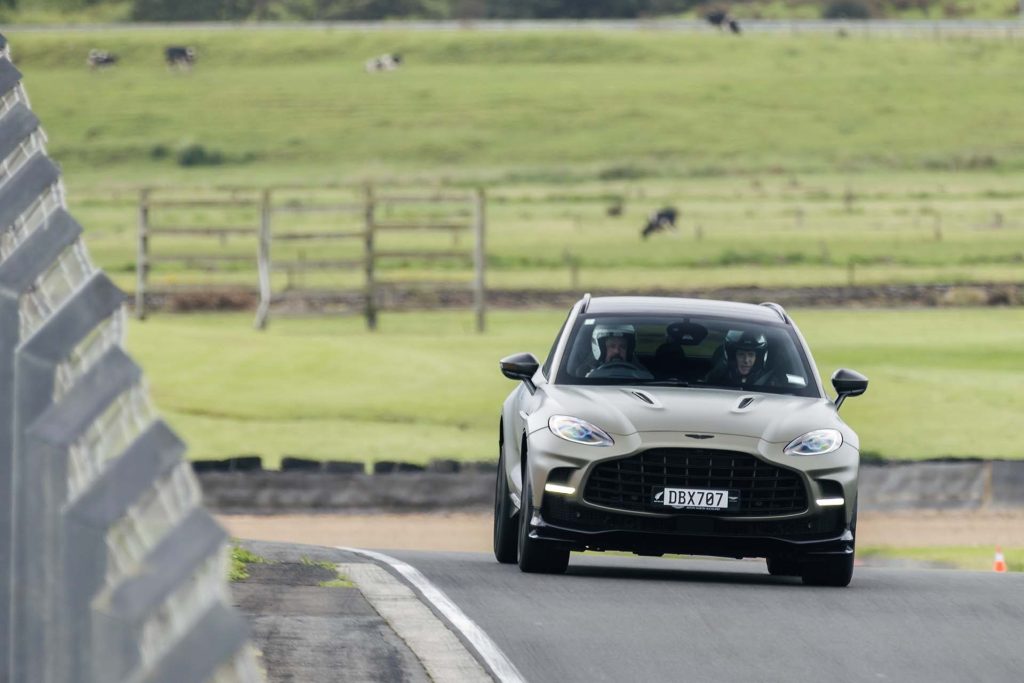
967, 484
110, 570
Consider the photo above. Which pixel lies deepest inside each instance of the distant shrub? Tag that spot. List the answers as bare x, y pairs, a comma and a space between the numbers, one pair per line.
159, 152
198, 155
847, 9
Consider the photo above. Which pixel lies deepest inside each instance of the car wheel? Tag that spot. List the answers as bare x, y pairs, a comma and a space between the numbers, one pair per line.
506, 523
537, 556
833, 571
829, 571
782, 567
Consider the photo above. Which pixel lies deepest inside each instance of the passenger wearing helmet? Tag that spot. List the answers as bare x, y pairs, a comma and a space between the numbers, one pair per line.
744, 361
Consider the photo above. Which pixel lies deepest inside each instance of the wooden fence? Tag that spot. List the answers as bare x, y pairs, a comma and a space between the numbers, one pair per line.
356, 230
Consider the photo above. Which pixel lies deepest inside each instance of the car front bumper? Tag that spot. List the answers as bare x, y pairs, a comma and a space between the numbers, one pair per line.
583, 528
571, 520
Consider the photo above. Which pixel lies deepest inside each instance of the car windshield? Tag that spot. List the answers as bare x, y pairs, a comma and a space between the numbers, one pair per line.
695, 351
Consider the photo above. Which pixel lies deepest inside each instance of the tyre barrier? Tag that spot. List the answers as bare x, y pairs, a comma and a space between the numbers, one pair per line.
111, 569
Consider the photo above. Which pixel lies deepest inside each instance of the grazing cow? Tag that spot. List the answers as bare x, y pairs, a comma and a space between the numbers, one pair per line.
386, 62
717, 17
99, 59
180, 56
721, 19
664, 219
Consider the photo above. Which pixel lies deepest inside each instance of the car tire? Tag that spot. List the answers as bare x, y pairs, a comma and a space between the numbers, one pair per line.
537, 556
506, 522
834, 571
783, 567
828, 571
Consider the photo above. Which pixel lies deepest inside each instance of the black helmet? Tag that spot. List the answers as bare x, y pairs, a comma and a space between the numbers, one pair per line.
747, 341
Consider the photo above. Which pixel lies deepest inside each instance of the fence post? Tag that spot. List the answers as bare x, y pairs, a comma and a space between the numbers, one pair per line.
371, 289
142, 256
479, 259
263, 262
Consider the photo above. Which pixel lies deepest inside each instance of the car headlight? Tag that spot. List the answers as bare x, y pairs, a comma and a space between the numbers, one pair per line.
578, 431
818, 442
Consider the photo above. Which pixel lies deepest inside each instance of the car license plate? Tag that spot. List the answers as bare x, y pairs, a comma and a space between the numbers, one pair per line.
693, 499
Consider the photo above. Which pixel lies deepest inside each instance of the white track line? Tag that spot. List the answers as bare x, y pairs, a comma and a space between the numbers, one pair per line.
496, 660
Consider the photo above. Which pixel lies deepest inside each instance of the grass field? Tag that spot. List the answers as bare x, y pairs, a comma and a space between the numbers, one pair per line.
765, 230
525, 103
943, 382
790, 157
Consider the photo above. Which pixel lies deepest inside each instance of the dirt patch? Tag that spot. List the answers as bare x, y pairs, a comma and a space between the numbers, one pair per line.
471, 531
461, 531
392, 297
930, 528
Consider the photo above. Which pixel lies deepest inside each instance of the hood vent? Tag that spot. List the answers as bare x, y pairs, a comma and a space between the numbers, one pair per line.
745, 402
644, 397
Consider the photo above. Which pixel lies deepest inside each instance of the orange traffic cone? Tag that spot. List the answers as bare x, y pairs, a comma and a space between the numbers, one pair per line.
1000, 564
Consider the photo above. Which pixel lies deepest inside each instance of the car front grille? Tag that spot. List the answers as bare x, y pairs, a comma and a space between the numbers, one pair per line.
630, 483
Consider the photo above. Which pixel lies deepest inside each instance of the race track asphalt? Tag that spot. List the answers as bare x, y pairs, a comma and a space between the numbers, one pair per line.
642, 619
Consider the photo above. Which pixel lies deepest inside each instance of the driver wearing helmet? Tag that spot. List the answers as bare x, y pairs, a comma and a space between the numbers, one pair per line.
744, 361
612, 344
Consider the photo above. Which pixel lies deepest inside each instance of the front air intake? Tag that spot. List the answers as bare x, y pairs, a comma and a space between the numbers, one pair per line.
631, 483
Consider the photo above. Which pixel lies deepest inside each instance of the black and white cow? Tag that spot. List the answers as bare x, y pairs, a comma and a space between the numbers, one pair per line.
385, 62
180, 56
721, 19
663, 219
99, 59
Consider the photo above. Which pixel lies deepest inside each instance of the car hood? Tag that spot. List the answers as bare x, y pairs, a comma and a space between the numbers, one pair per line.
626, 410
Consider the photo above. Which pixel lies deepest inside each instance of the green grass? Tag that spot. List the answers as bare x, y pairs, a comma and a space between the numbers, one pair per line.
612, 102
944, 382
758, 141
338, 582
760, 230
240, 559
975, 558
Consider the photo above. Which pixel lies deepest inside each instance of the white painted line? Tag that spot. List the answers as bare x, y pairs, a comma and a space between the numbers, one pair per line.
489, 652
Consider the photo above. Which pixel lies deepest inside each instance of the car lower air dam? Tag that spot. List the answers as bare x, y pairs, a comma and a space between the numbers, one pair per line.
578, 431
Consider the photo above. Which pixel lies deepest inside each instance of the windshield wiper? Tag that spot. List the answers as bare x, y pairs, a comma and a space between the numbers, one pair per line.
666, 383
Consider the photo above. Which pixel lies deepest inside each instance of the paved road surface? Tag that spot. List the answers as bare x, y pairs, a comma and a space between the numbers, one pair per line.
639, 619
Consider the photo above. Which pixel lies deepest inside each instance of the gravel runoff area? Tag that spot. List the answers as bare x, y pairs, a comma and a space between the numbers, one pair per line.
471, 531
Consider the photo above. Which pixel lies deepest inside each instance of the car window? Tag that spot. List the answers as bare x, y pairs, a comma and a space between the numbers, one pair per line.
690, 351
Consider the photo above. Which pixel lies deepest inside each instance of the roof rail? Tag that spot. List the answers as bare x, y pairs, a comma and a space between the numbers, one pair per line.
778, 309
586, 303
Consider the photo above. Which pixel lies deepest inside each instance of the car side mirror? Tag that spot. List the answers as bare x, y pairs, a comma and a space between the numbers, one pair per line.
848, 383
521, 366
